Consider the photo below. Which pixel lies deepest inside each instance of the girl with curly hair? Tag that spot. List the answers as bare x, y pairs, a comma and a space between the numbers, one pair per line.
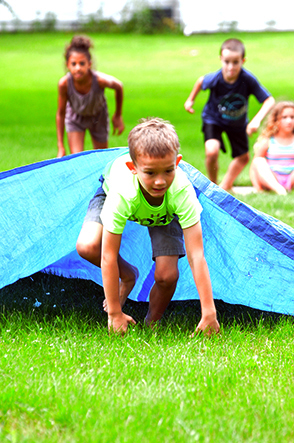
272, 168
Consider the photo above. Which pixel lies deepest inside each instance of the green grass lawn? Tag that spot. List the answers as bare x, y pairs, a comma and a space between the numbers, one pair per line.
63, 378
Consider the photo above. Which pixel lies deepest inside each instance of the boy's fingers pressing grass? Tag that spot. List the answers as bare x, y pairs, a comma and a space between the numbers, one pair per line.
119, 324
207, 328
207, 332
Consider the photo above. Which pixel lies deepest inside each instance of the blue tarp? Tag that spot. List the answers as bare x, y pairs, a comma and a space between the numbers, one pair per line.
250, 255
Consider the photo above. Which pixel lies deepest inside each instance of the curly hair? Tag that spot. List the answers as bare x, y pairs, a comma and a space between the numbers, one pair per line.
271, 127
81, 44
153, 137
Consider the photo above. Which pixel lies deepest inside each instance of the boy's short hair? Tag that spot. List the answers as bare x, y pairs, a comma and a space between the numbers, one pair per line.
233, 44
153, 137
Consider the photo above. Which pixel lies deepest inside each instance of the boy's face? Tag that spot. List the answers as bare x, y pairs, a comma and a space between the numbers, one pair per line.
232, 63
155, 174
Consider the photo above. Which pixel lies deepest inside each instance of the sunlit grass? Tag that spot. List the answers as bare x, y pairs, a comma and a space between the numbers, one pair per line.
67, 380
64, 379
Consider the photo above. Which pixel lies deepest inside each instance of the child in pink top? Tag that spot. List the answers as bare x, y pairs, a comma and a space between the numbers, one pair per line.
272, 168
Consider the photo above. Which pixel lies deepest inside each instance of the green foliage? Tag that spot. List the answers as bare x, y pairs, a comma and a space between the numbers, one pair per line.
48, 24
141, 20
136, 18
150, 21
50, 20
101, 25
231, 26
97, 23
36, 25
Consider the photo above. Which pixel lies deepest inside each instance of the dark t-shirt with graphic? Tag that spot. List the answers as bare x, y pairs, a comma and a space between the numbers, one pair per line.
227, 105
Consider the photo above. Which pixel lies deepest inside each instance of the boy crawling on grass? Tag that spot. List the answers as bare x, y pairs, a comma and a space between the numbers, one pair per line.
146, 187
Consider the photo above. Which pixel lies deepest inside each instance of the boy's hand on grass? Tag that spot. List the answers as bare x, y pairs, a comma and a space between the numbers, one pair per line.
118, 323
208, 325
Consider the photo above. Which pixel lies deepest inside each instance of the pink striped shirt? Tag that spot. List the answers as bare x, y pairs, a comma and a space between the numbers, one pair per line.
280, 158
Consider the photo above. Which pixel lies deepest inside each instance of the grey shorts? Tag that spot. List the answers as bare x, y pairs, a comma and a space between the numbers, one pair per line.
95, 206
165, 240
98, 125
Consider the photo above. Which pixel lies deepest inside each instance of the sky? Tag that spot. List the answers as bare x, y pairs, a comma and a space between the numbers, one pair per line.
196, 15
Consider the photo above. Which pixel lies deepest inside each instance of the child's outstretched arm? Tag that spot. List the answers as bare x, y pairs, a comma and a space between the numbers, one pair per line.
254, 124
195, 253
107, 81
117, 320
60, 115
195, 91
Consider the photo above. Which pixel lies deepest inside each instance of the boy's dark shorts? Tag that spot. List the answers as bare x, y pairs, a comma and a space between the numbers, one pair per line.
166, 240
238, 140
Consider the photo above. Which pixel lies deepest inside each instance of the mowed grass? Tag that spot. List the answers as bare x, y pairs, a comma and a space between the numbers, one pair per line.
63, 378
68, 381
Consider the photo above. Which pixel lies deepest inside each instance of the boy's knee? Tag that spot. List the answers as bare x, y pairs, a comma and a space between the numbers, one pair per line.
212, 148
81, 249
88, 250
168, 278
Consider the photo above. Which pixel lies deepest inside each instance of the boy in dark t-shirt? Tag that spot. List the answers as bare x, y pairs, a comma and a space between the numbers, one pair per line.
226, 110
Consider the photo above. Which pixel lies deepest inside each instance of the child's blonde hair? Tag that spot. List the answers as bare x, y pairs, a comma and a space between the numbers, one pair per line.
271, 127
153, 137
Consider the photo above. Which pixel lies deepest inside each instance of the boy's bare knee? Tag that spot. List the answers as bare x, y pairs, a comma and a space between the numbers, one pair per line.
81, 249
88, 250
167, 279
212, 148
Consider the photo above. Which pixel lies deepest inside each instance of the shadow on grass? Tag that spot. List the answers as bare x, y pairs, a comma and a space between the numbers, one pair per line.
49, 296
